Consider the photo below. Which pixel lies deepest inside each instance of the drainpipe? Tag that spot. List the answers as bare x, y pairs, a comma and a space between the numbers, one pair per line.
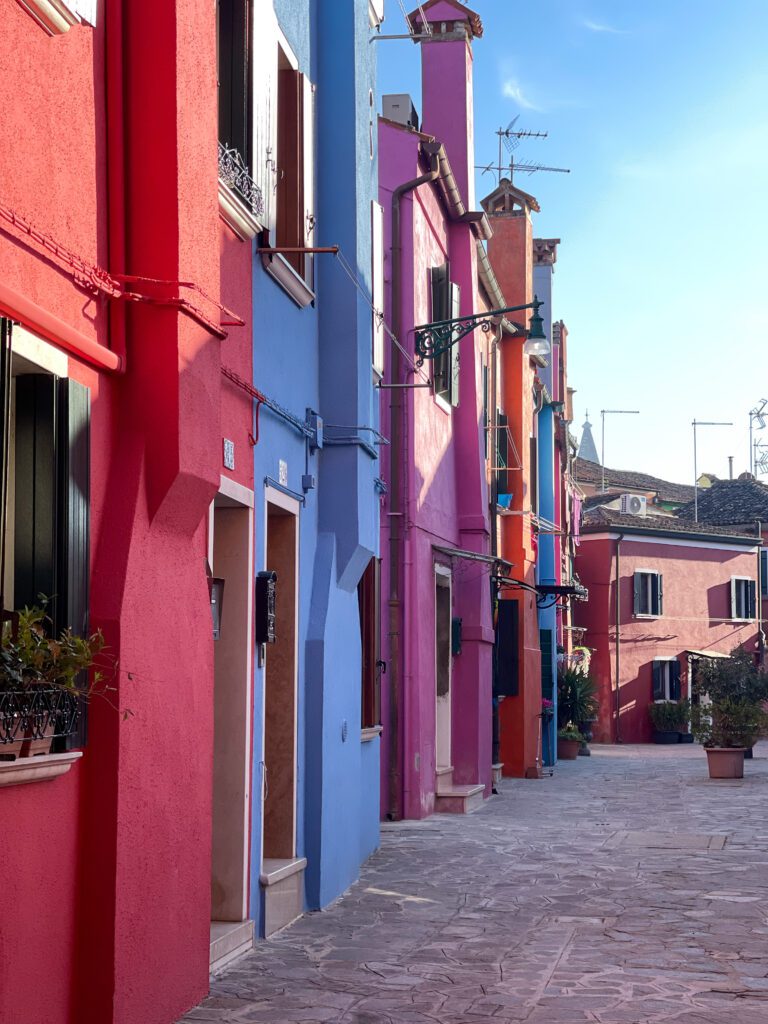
619, 539
759, 596
115, 129
397, 511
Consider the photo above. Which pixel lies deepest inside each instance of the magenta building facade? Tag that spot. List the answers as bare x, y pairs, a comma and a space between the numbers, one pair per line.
437, 631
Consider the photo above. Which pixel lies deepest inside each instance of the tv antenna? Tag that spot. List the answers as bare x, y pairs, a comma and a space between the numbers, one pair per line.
414, 35
509, 139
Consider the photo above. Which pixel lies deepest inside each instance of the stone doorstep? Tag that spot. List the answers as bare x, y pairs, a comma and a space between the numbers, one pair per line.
459, 799
229, 939
443, 779
282, 881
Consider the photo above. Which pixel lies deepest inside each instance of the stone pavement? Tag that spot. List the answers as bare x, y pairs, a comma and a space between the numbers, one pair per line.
627, 889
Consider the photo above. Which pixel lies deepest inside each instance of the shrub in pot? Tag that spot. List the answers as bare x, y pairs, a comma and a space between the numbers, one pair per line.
577, 703
728, 711
568, 742
42, 680
669, 719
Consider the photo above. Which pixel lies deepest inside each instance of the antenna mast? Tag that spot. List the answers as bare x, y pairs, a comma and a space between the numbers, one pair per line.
509, 138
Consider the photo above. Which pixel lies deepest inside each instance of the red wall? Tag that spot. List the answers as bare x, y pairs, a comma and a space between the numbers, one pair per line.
107, 874
696, 616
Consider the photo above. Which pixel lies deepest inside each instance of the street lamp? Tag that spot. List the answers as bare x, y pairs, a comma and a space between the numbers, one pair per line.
604, 413
756, 414
694, 424
431, 340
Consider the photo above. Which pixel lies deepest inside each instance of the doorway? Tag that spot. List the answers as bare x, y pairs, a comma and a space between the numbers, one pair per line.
231, 561
282, 871
442, 667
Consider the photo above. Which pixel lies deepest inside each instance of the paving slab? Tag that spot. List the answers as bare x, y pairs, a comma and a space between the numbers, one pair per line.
627, 888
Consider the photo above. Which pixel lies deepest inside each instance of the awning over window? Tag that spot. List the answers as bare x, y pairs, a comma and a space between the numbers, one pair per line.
473, 556
707, 654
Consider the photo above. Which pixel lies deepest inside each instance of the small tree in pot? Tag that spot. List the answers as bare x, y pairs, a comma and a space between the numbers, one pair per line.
728, 711
577, 705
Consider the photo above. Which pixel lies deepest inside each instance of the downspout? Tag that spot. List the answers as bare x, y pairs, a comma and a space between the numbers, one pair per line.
115, 127
619, 539
759, 589
397, 512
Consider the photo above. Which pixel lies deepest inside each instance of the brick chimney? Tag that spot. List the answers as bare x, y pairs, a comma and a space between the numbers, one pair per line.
511, 247
446, 85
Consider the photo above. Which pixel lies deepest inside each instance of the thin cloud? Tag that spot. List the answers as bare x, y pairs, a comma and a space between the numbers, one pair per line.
512, 89
599, 26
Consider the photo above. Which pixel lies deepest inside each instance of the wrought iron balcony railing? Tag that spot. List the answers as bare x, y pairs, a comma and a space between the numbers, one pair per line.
37, 713
234, 172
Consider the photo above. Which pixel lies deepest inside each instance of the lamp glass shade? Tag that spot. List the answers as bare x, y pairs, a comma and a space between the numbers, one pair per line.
536, 343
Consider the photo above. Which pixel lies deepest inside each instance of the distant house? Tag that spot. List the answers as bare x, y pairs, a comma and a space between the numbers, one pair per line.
662, 494
663, 594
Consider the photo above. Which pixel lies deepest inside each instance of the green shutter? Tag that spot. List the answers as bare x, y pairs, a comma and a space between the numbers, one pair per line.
546, 643
506, 661
659, 594
674, 680
636, 592
658, 680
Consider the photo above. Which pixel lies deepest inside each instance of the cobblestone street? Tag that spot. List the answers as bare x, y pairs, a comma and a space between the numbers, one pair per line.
627, 889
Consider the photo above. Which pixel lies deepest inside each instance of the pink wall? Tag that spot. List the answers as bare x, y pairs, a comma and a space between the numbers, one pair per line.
109, 868
696, 616
445, 499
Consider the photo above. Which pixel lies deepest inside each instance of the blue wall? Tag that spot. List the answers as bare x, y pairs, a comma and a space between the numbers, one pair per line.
320, 358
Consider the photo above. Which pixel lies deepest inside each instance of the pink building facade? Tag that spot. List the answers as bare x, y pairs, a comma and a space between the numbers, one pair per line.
437, 632
663, 594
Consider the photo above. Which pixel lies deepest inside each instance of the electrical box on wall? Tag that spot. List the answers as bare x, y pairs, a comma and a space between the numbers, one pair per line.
266, 594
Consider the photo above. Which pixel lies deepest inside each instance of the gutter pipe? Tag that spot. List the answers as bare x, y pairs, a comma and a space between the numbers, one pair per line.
619, 539
397, 512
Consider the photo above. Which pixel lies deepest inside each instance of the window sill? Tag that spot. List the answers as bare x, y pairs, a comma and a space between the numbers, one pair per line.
54, 16
278, 268
442, 403
236, 214
646, 615
370, 733
37, 769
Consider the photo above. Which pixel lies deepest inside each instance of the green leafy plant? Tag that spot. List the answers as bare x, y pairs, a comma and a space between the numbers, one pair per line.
570, 734
30, 657
730, 693
670, 715
576, 698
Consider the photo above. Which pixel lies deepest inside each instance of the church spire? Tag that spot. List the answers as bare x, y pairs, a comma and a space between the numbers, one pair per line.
587, 448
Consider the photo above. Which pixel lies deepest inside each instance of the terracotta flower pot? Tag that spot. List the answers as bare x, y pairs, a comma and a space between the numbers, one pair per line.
568, 750
725, 762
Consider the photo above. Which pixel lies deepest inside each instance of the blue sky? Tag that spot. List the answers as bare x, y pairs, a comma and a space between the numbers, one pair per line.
661, 112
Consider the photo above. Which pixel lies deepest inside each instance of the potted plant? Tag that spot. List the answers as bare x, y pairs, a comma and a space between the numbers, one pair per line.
42, 681
670, 720
569, 740
728, 711
577, 703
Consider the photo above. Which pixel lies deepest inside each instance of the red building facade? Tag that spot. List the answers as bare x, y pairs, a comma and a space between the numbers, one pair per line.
112, 254
663, 593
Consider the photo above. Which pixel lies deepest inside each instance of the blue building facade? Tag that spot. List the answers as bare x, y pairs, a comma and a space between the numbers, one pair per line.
316, 470
543, 267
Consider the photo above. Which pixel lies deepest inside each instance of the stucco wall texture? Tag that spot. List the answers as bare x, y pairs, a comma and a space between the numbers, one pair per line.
696, 617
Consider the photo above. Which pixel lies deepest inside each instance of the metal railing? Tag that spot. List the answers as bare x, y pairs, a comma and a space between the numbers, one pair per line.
234, 172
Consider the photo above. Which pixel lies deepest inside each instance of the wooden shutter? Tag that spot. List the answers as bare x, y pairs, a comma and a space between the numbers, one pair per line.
264, 106
547, 673
234, 68
485, 412
74, 473
657, 668
308, 164
658, 591
368, 601
636, 585
455, 359
86, 10
674, 680
506, 675
377, 285
441, 305
290, 171
752, 599
534, 475
734, 599
764, 573
36, 479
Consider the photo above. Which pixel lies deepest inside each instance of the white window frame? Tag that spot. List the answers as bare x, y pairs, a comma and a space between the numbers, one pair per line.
58, 16
652, 614
667, 661
735, 580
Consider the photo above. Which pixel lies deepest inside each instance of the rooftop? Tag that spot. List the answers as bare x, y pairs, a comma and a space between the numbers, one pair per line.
597, 518
730, 502
587, 472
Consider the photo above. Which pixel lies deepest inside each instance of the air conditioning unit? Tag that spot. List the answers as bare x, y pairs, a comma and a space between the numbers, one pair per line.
634, 504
